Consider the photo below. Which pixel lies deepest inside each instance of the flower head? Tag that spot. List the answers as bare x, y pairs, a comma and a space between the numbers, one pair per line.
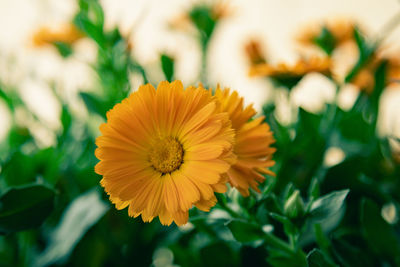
365, 78
283, 71
163, 151
327, 35
66, 33
253, 142
254, 53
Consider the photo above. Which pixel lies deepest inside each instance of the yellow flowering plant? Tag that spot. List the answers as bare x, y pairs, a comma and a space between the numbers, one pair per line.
165, 173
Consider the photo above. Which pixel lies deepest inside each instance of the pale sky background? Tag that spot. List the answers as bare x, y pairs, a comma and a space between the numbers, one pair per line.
275, 22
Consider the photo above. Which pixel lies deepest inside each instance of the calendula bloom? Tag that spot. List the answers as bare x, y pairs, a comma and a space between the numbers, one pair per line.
334, 31
252, 143
200, 15
163, 151
365, 78
298, 70
66, 33
254, 53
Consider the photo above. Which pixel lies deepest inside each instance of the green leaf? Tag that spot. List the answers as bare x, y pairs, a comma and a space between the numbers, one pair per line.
328, 205
64, 49
313, 189
93, 31
326, 41
316, 258
380, 236
167, 65
281, 258
246, 233
78, 218
365, 53
353, 126
93, 104
294, 205
202, 18
218, 254
66, 119
25, 207
97, 13
6, 98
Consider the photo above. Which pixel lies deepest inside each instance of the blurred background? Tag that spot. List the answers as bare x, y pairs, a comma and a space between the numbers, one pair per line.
147, 24
64, 63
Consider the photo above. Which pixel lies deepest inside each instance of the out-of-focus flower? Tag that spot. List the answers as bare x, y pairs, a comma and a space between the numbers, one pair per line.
66, 33
365, 78
327, 35
203, 16
252, 143
298, 70
163, 151
220, 10
254, 53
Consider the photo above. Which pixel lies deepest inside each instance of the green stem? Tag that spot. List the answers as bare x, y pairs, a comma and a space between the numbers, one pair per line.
203, 70
276, 242
224, 205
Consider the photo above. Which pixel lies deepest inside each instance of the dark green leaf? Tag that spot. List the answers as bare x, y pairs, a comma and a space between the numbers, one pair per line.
64, 49
246, 233
317, 258
93, 104
218, 254
167, 65
328, 205
93, 31
281, 258
365, 52
379, 234
25, 207
78, 218
326, 41
66, 119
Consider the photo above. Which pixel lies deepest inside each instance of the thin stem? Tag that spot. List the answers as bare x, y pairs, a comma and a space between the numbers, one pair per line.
203, 70
224, 205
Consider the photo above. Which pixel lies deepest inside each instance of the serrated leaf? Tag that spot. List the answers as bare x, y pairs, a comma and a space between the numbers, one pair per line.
25, 207
328, 205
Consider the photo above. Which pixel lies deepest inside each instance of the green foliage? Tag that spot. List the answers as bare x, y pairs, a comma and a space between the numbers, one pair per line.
326, 41
25, 207
311, 214
79, 216
328, 205
167, 65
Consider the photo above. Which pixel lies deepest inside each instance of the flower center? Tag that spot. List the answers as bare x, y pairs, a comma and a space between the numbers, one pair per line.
166, 155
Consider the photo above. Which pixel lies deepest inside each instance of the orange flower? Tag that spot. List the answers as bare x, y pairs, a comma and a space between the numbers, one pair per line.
163, 151
341, 30
299, 69
365, 78
67, 33
253, 142
254, 53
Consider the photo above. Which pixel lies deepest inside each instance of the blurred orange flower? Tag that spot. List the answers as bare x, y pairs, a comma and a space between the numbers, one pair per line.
341, 30
365, 78
299, 69
254, 53
66, 33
